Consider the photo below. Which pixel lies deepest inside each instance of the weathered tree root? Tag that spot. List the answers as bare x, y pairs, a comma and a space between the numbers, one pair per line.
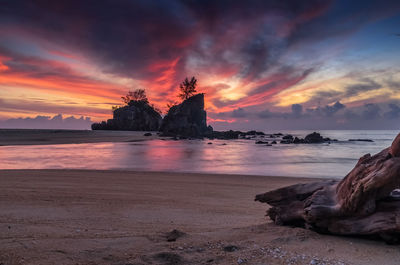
365, 202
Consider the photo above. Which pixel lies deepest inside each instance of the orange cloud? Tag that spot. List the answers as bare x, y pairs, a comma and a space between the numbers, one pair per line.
209, 119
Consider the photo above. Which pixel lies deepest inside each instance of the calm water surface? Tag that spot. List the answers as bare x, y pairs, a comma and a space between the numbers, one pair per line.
233, 156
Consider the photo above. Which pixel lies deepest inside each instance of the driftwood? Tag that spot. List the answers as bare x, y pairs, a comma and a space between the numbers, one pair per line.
365, 202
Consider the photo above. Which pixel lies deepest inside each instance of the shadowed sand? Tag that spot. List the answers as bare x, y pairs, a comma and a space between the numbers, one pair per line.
119, 217
41, 137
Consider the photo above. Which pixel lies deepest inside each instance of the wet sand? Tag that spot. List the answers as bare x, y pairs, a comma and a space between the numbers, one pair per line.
120, 218
44, 137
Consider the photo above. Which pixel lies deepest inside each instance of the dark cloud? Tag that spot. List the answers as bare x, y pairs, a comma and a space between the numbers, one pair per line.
239, 113
297, 110
365, 85
329, 117
47, 122
142, 38
222, 103
393, 113
326, 95
327, 110
331, 110
371, 111
266, 114
342, 19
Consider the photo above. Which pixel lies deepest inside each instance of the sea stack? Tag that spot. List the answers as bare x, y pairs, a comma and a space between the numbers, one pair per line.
188, 119
136, 116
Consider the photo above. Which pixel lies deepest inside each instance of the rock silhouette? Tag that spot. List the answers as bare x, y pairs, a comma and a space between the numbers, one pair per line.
188, 119
314, 138
136, 116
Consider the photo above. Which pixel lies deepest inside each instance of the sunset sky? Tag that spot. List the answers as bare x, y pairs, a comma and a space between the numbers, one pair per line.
262, 64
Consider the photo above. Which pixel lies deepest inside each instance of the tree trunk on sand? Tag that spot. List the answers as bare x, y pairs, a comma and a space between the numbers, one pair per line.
365, 202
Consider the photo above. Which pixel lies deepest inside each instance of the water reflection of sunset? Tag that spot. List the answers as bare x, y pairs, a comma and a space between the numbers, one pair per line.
231, 157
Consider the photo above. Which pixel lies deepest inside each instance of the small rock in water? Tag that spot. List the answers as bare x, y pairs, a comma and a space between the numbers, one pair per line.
314, 138
298, 140
360, 140
209, 143
287, 137
147, 134
174, 235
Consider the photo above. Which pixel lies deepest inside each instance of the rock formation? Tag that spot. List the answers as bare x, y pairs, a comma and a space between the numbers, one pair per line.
136, 116
365, 202
188, 119
314, 138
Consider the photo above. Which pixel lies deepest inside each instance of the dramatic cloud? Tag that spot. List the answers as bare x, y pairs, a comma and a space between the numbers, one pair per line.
328, 110
47, 122
247, 55
334, 116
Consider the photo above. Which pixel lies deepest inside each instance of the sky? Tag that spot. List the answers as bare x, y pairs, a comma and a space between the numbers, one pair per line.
275, 64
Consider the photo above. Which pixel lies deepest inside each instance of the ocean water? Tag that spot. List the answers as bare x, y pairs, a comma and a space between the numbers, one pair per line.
222, 156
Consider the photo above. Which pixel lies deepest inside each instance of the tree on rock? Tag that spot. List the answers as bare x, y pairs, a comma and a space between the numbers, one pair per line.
188, 88
136, 115
136, 95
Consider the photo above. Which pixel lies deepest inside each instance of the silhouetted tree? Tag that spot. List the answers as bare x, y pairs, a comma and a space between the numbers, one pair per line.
171, 104
188, 88
136, 95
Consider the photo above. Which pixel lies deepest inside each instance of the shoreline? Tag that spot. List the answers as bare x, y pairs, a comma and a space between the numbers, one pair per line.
122, 217
10, 137
168, 173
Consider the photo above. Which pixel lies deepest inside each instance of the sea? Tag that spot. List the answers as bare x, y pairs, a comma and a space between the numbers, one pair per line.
242, 156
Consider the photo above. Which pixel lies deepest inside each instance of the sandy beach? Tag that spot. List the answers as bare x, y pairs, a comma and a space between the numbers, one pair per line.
120, 217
